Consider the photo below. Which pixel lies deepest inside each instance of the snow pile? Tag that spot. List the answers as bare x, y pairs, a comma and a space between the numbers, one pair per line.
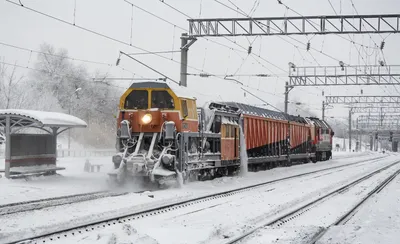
348, 234
208, 116
47, 118
72, 180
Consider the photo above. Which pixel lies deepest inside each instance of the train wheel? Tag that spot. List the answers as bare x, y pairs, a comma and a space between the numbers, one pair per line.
231, 170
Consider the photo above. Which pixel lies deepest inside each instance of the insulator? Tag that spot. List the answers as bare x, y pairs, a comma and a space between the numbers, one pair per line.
249, 50
323, 93
382, 45
308, 46
362, 91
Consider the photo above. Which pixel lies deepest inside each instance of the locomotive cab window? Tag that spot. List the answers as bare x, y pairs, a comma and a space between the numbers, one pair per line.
185, 109
162, 100
137, 99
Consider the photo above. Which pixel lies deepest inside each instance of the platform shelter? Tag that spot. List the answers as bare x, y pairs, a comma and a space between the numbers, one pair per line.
28, 153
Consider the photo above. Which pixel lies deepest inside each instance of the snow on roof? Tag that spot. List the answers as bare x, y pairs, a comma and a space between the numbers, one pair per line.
50, 119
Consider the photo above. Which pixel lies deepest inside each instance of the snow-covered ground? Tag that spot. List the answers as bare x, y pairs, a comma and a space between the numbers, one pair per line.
377, 221
264, 199
73, 180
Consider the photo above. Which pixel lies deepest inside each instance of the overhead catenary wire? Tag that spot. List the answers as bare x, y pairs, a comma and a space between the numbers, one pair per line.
101, 34
350, 40
244, 48
292, 38
66, 75
359, 53
244, 14
170, 23
383, 39
96, 33
261, 99
62, 56
55, 55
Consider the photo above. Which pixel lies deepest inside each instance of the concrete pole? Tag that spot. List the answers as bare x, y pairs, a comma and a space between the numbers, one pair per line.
8, 147
371, 142
323, 110
184, 60
69, 133
286, 97
350, 130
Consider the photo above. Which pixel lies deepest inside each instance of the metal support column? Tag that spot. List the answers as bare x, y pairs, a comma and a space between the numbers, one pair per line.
184, 60
323, 110
395, 145
286, 97
371, 142
185, 44
8, 147
55, 130
350, 130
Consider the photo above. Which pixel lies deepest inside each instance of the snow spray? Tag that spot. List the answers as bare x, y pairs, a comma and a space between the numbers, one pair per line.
243, 153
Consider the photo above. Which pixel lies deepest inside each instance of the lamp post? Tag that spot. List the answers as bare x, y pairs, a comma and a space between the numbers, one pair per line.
69, 112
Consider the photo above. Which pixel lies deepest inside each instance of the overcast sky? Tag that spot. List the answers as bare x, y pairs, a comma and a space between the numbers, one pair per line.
117, 19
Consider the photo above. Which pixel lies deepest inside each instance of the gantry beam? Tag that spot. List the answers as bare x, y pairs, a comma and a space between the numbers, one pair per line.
383, 132
375, 105
378, 118
362, 99
346, 75
299, 25
392, 110
377, 126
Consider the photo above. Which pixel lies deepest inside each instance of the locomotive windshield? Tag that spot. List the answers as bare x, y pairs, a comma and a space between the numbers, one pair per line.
137, 99
162, 100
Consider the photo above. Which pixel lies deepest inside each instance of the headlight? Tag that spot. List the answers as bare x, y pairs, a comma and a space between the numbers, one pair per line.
146, 118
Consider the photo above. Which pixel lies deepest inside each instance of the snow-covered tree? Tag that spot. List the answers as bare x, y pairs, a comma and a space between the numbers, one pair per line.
67, 87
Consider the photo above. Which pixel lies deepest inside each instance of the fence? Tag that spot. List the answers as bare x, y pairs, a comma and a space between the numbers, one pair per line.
61, 153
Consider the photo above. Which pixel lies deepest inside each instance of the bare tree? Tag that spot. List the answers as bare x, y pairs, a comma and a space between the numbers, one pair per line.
10, 83
96, 101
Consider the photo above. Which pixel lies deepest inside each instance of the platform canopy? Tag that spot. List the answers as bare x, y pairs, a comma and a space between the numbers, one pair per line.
34, 118
28, 153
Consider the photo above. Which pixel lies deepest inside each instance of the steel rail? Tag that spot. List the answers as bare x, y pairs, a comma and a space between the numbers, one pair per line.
289, 215
349, 214
101, 223
25, 206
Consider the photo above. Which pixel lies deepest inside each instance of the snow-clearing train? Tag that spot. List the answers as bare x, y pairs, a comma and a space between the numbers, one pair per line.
162, 136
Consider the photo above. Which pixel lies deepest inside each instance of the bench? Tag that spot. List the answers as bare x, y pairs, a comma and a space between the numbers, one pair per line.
21, 172
95, 166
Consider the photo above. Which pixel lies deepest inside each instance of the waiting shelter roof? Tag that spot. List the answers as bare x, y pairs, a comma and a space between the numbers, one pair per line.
22, 117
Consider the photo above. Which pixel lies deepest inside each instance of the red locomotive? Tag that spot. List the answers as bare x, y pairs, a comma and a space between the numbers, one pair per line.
162, 137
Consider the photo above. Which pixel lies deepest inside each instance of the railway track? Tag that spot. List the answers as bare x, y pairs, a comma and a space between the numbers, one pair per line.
349, 214
294, 213
55, 201
62, 200
102, 223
